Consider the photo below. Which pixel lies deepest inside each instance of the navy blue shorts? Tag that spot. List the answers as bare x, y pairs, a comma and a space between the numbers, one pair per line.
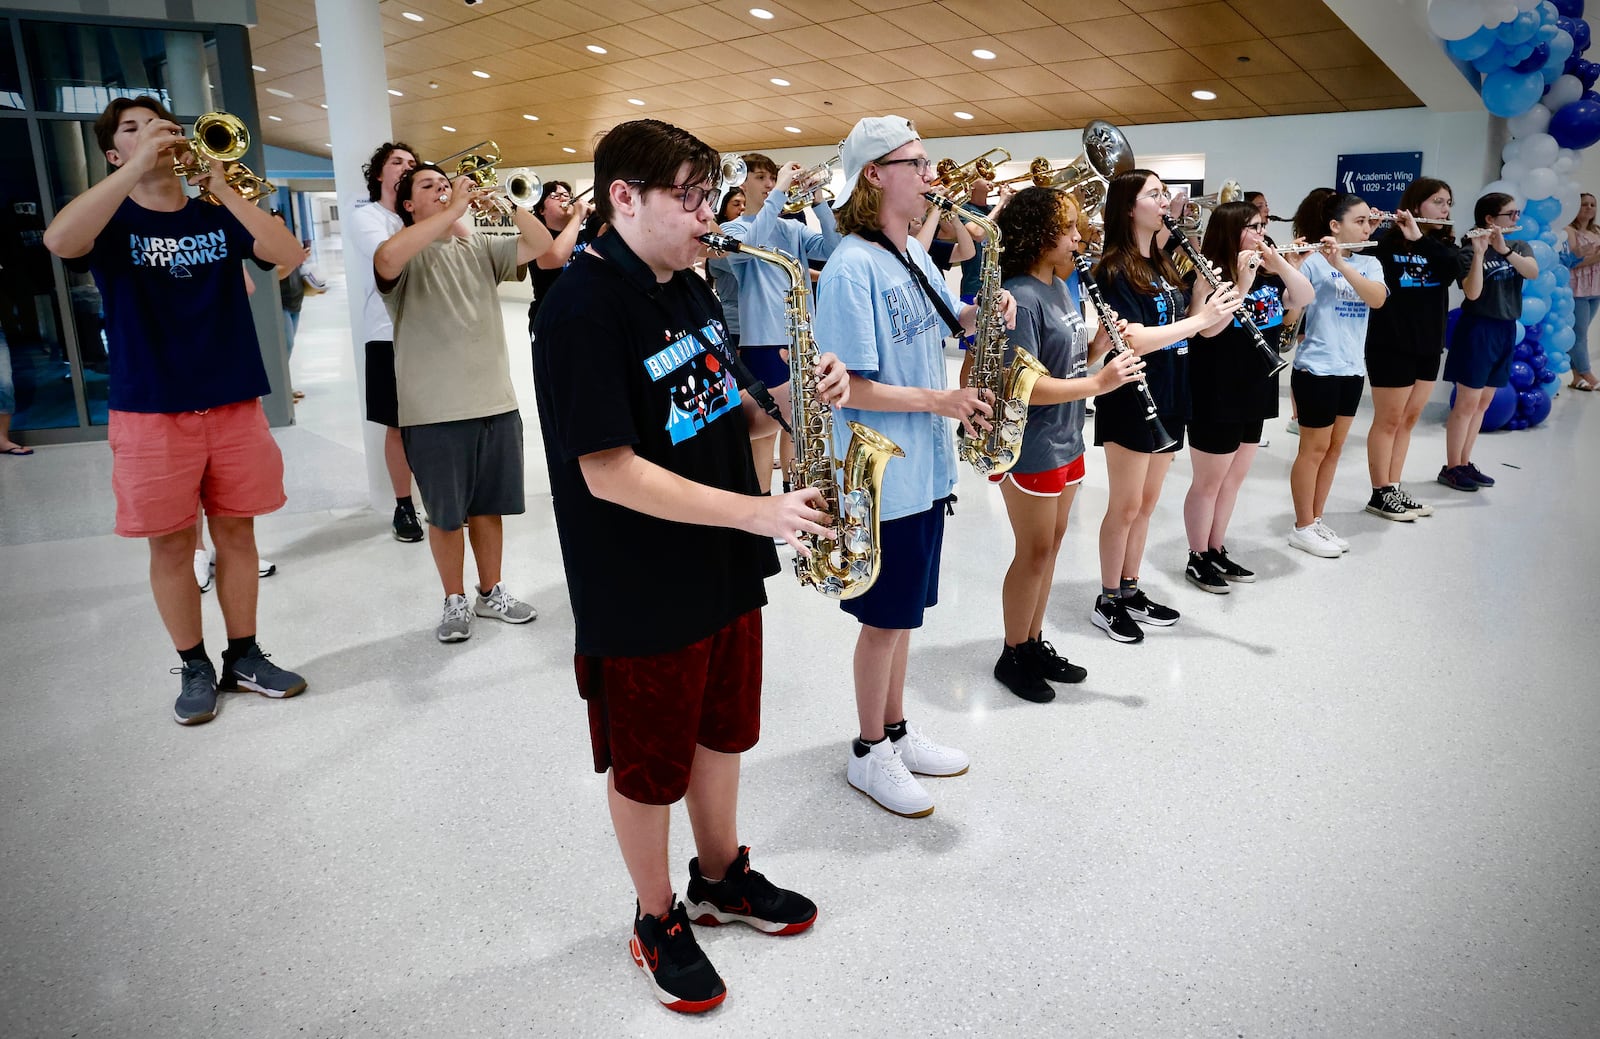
1480, 352
766, 363
908, 582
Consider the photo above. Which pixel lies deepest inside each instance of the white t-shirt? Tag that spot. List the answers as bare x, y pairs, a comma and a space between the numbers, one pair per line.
367, 228
1336, 321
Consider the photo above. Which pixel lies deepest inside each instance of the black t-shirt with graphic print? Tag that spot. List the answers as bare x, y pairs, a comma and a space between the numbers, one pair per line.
1167, 369
1228, 377
615, 365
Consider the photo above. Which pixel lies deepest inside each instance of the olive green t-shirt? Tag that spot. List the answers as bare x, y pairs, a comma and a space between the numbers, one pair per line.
450, 359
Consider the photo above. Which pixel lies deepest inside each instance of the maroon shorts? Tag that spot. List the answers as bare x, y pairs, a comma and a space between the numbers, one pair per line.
647, 714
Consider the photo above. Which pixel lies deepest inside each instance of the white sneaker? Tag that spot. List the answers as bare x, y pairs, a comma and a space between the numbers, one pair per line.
1309, 539
502, 604
202, 569
882, 776
1293, 426
1329, 536
927, 758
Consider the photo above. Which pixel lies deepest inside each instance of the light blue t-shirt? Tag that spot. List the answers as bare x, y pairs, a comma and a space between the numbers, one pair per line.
877, 319
1336, 321
764, 287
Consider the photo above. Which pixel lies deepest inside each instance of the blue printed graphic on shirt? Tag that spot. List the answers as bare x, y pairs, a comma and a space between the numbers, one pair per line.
1171, 308
910, 312
701, 387
1415, 272
177, 255
1497, 267
1266, 307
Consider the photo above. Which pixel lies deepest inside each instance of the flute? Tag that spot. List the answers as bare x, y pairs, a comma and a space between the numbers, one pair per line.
1316, 247
1108, 321
1480, 232
1275, 363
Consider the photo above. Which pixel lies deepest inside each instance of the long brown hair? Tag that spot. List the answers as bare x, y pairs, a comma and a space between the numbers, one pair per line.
1121, 257
1221, 243
1592, 225
1416, 193
1308, 222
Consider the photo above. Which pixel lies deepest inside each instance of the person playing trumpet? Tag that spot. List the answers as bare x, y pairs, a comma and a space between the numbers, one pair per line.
566, 217
458, 412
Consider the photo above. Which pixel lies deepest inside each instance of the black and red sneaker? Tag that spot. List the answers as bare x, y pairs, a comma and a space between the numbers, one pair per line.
745, 896
679, 973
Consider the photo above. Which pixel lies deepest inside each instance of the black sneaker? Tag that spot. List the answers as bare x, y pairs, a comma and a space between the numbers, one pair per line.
745, 896
406, 527
1142, 609
1472, 473
197, 696
1111, 617
254, 673
1385, 502
1456, 477
679, 973
1016, 671
1203, 575
1229, 570
1052, 665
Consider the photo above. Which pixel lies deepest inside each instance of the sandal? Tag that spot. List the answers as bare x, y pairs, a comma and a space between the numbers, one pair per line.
1579, 385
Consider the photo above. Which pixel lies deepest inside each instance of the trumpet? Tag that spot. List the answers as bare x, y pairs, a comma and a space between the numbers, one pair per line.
522, 186
220, 137
478, 163
811, 187
957, 180
733, 171
1316, 247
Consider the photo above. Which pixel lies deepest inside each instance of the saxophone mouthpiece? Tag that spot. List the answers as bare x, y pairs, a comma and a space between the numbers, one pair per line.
720, 242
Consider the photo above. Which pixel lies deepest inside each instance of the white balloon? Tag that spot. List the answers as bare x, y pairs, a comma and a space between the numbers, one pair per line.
1454, 19
1564, 91
1528, 5
1569, 210
1539, 183
1497, 14
1515, 170
1576, 157
1534, 120
1503, 187
1512, 151
1563, 165
1540, 150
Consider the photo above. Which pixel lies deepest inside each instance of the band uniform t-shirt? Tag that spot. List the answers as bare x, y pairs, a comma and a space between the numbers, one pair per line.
1166, 370
178, 319
1501, 298
450, 359
1336, 320
615, 365
1419, 275
1050, 326
1228, 379
369, 226
880, 323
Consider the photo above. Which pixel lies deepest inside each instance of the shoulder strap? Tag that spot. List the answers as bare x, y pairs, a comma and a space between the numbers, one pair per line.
877, 237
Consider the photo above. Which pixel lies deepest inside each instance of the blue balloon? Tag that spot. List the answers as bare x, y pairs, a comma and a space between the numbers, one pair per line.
1535, 61
1563, 276
1522, 331
1562, 47
1565, 24
1450, 320
1520, 29
1535, 406
1521, 352
1544, 210
1580, 37
1568, 8
1492, 60
1537, 361
1588, 72
1533, 310
1521, 375
1563, 339
1552, 387
1502, 408
1528, 229
1472, 47
1576, 125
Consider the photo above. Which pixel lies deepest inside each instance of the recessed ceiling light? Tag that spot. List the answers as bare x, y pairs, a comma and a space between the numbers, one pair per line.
480, 75
775, 81
448, 129
275, 92
432, 85
1203, 95
962, 115
792, 129
396, 93
412, 17
258, 68
595, 48
322, 106
276, 118
319, 44
570, 151
325, 144
634, 101
761, 13
985, 55
530, 118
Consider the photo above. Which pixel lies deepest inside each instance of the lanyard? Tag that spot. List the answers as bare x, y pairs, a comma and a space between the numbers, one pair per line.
876, 236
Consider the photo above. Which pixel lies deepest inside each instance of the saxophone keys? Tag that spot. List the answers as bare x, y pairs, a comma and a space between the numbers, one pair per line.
1011, 432
1014, 410
857, 540
860, 570
857, 505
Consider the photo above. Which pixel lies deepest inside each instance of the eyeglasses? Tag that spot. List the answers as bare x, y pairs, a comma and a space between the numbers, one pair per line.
922, 165
1257, 228
1159, 193
1512, 214
693, 196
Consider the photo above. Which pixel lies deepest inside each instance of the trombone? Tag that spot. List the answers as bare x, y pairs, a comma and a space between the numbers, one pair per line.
957, 180
811, 187
569, 203
1196, 208
478, 163
220, 137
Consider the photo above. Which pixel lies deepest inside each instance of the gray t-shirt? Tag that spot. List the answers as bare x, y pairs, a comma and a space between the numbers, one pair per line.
1501, 298
725, 283
450, 359
1050, 326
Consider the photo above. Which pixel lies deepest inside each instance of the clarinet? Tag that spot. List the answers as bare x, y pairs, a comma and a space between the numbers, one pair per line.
1108, 321
1202, 266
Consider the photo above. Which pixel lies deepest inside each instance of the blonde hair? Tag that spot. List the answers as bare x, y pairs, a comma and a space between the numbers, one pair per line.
863, 210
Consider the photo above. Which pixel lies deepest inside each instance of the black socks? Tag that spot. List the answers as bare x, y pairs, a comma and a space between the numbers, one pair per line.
405, 503
897, 731
236, 649
197, 653
861, 748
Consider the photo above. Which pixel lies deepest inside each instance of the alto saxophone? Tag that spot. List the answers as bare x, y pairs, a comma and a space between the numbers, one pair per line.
846, 567
1006, 386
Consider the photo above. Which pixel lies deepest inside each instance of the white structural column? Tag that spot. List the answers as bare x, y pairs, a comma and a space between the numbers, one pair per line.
357, 85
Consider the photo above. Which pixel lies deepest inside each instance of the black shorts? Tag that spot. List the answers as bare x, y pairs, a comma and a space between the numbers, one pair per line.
383, 399
766, 363
1224, 438
1395, 369
908, 581
1115, 424
469, 467
1480, 352
1322, 398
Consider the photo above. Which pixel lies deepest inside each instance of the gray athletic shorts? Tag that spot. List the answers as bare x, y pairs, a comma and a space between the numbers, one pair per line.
469, 467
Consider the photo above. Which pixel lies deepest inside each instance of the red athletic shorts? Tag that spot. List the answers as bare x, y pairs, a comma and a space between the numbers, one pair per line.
647, 714
166, 465
1047, 484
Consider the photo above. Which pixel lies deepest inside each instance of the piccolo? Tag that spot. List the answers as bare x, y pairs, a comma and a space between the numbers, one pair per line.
1275, 363
1108, 321
1316, 247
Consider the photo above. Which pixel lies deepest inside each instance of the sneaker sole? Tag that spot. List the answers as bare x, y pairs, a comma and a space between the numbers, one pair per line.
407, 541
707, 915
667, 999
924, 813
1239, 580
1042, 695
1332, 551
1213, 589
940, 775
452, 637
1426, 510
251, 687
1104, 625
198, 719
1401, 517
502, 617
1457, 487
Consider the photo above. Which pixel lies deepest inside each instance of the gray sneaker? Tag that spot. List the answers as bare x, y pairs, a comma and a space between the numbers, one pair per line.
254, 673
197, 698
502, 604
457, 623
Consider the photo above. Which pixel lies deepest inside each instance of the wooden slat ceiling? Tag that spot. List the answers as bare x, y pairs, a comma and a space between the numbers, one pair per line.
708, 65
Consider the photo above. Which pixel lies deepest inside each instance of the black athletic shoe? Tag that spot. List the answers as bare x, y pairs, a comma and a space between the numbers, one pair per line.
197, 693
1142, 609
1052, 665
1017, 671
1385, 502
1204, 575
1111, 617
1229, 570
406, 527
745, 896
679, 973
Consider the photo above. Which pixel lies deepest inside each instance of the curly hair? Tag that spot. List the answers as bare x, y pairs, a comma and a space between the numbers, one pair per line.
1030, 226
373, 170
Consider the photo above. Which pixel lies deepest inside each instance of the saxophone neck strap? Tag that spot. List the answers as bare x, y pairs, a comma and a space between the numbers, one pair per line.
877, 237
